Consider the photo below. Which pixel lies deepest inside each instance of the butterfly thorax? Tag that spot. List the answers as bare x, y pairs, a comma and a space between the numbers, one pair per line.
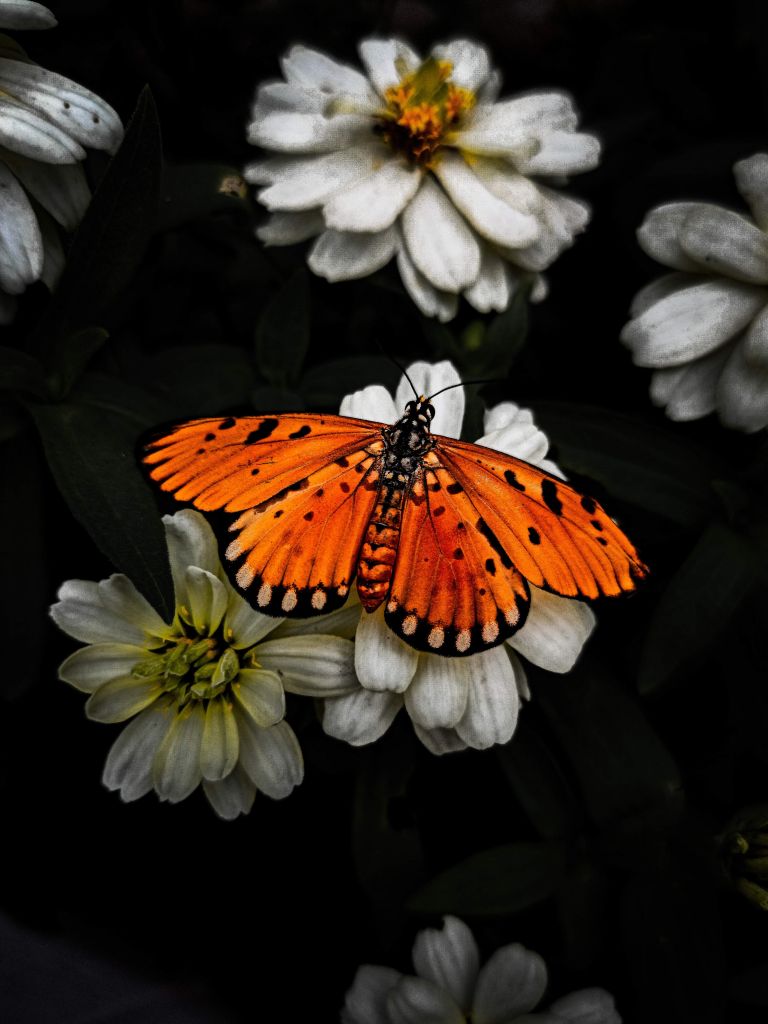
405, 445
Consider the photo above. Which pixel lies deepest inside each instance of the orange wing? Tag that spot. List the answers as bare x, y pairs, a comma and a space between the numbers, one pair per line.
306, 486
475, 528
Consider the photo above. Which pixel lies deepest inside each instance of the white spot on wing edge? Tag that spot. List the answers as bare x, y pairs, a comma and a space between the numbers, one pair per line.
436, 637
512, 615
463, 640
264, 596
319, 598
244, 576
490, 631
410, 622
233, 551
392, 606
290, 600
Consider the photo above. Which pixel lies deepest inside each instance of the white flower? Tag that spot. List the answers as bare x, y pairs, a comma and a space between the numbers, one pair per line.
205, 692
704, 327
46, 120
416, 160
454, 702
450, 987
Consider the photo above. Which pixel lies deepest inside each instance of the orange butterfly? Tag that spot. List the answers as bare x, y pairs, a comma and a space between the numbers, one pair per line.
448, 534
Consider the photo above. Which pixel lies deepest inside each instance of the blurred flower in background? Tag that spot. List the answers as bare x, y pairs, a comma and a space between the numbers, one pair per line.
454, 702
744, 854
450, 987
206, 692
704, 328
416, 160
46, 120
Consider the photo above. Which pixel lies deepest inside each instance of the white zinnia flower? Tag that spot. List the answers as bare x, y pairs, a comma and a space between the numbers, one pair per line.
704, 328
450, 987
205, 692
416, 160
46, 120
454, 702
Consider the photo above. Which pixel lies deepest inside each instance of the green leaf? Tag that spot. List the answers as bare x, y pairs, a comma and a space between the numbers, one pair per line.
127, 400
643, 464
282, 333
90, 453
504, 339
191, 191
496, 882
324, 386
20, 371
699, 602
199, 380
68, 357
627, 776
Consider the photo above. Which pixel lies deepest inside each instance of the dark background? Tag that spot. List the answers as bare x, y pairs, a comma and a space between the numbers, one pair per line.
597, 827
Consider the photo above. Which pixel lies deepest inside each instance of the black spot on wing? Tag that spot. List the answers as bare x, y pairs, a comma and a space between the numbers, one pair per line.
454, 488
343, 462
588, 504
533, 535
301, 432
493, 540
210, 437
596, 523
344, 486
264, 430
228, 423
512, 480
549, 494
490, 566
458, 554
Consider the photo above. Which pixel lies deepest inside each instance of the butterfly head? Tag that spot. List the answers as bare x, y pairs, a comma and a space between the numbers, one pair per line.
419, 411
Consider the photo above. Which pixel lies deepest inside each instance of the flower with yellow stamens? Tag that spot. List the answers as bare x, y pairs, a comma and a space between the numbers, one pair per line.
418, 161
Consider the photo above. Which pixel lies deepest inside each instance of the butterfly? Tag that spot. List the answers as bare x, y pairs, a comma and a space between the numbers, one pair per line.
446, 535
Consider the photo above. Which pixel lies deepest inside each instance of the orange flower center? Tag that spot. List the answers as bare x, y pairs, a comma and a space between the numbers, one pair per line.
422, 109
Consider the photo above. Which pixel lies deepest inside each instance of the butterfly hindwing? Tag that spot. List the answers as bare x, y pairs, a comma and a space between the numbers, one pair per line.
451, 594
557, 538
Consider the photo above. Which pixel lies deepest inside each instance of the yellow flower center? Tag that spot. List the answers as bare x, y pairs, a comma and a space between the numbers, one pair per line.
422, 109
191, 669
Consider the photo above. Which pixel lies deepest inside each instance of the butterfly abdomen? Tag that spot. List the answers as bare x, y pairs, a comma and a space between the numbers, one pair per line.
379, 548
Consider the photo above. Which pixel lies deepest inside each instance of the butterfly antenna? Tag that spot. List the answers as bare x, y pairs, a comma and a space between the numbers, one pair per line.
402, 369
462, 384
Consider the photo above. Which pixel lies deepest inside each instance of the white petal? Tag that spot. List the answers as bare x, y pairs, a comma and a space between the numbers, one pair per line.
292, 132
440, 243
260, 694
61, 189
660, 288
176, 768
129, 762
449, 957
755, 344
491, 217
517, 191
343, 622
534, 110
53, 251
429, 378
243, 625
316, 666
437, 696
191, 541
493, 700
360, 717
122, 698
373, 203
659, 234
343, 255
382, 660
691, 322
555, 631
513, 142
752, 181
516, 433
301, 183
21, 243
373, 402
470, 63
440, 741
561, 219
588, 1006
25, 14
490, 89
314, 70
493, 288
273, 96
511, 983
91, 667
207, 599
724, 242
271, 757
291, 228
112, 610
219, 746
365, 1001
231, 796
386, 60
430, 300
562, 152
81, 114
416, 1001
27, 132
689, 392
742, 394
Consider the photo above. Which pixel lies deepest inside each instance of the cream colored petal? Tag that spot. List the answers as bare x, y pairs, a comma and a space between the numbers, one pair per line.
449, 957
271, 757
366, 1000
512, 430
440, 741
562, 152
382, 660
21, 243
689, 392
752, 181
176, 768
231, 796
206, 598
122, 698
291, 228
129, 762
660, 288
294, 132
32, 135
470, 64
110, 611
724, 242
61, 189
219, 746
659, 234
243, 625
430, 300
316, 666
440, 243
345, 255
755, 344
511, 983
429, 378
386, 61
191, 541
261, 696
554, 632
587, 1006
534, 110
493, 288
417, 1001
374, 203
437, 695
92, 666
25, 14
742, 394
493, 699
301, 183
373, 402
360, 717
343, 622
318, 72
